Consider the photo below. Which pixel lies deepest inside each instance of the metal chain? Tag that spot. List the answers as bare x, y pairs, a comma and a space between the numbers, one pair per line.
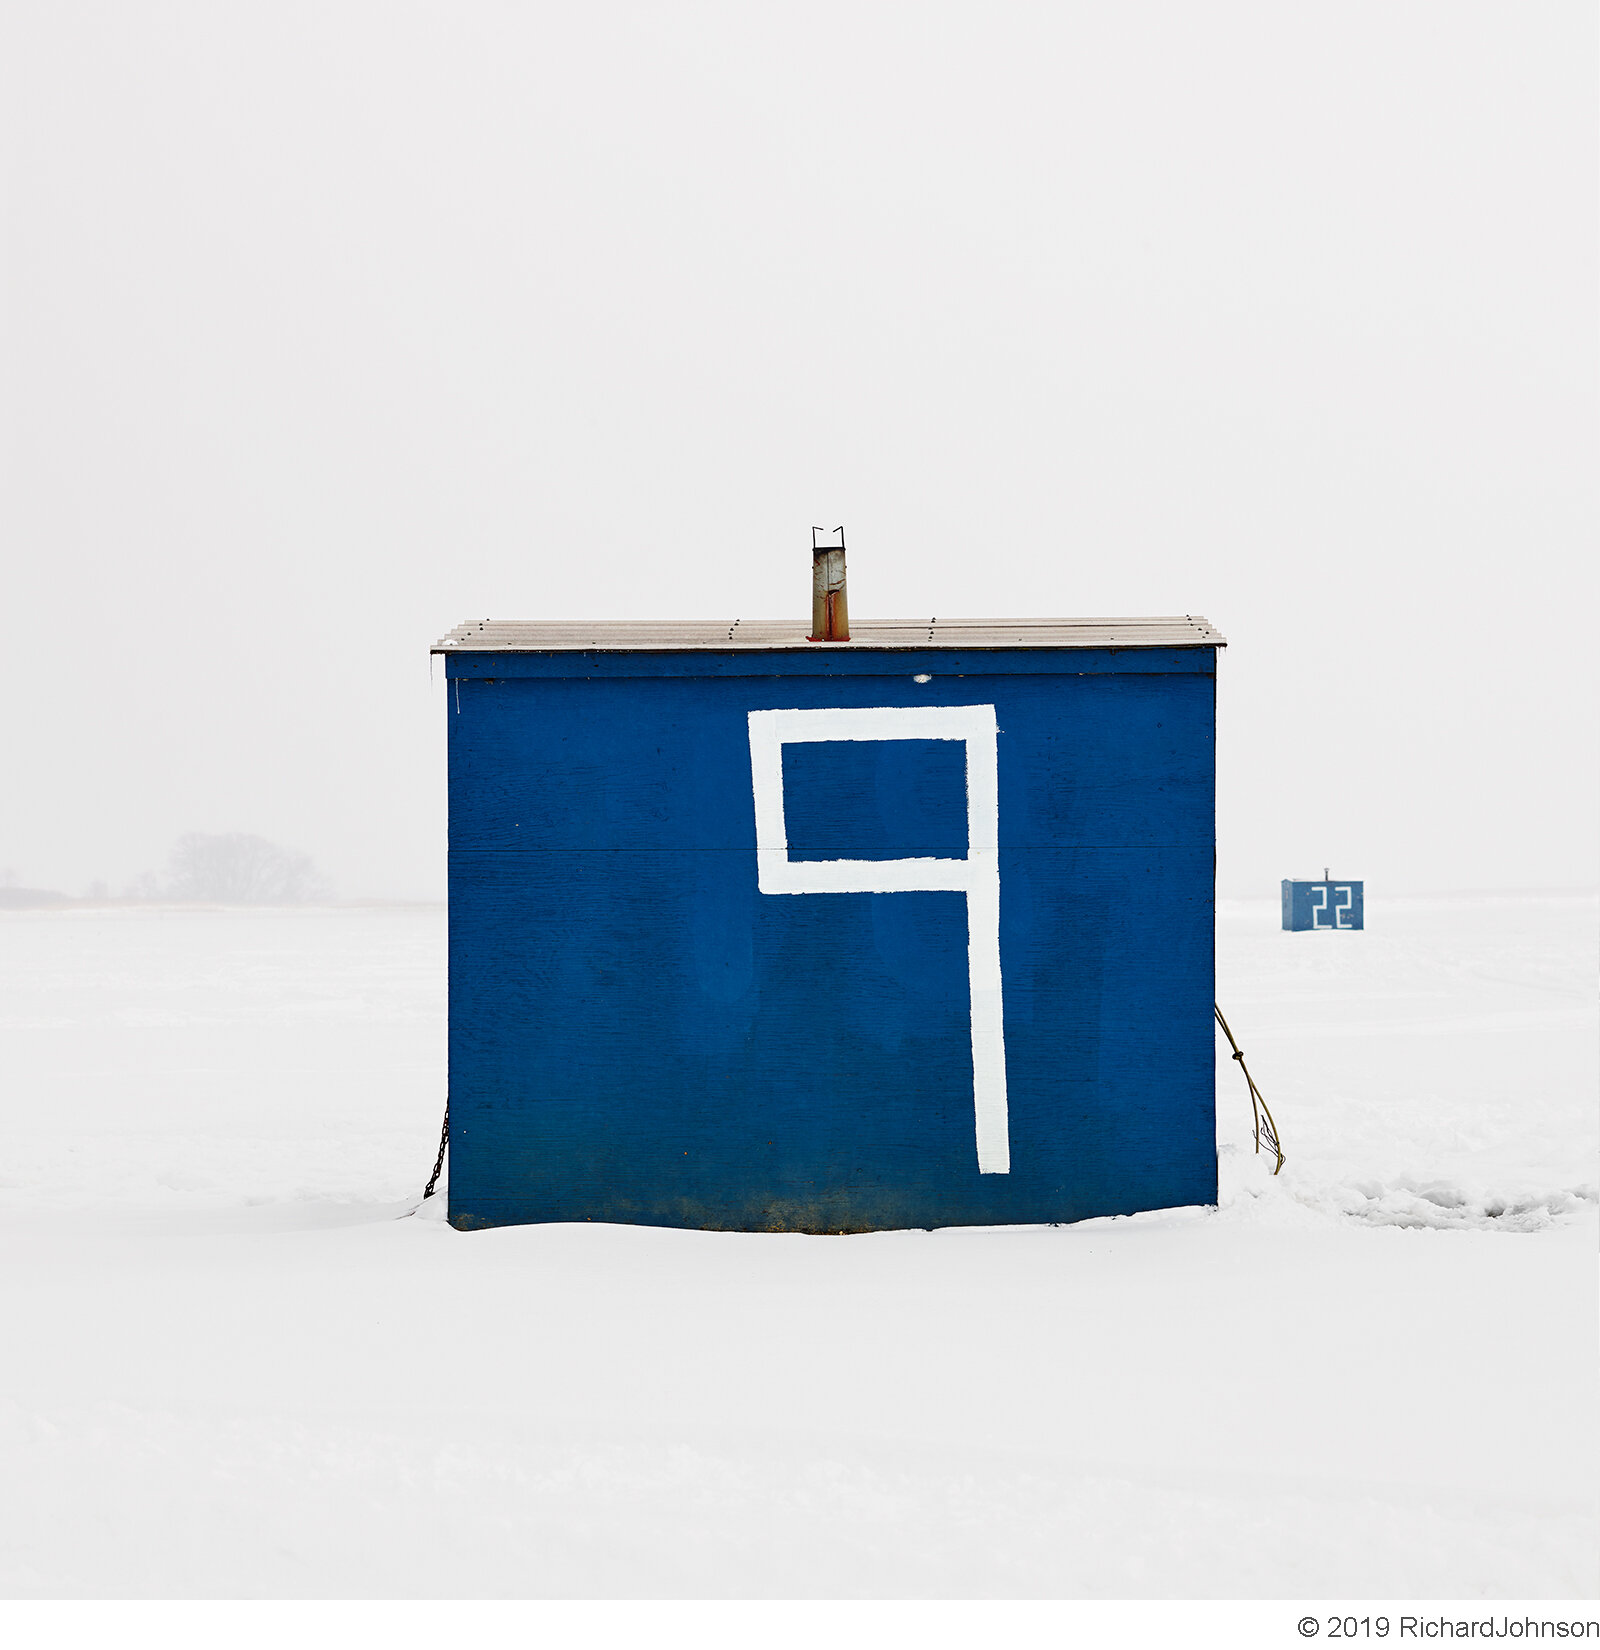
438, 1162
1265, 1127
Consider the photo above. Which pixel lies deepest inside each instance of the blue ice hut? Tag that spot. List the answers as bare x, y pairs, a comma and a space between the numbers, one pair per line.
756, 932
1325, 904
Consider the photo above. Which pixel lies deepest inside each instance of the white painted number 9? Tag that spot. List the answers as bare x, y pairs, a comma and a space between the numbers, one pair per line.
977, 876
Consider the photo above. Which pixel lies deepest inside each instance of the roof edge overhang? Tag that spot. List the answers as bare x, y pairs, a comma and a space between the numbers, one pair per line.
510, 636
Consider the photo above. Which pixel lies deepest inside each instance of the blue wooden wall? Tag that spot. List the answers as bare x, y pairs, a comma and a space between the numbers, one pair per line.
639, 1034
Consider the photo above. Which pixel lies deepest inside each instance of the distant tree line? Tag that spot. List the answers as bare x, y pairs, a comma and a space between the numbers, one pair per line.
234, 869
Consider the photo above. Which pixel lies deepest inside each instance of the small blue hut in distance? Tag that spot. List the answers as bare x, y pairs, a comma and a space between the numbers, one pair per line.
765, 929
1327, 904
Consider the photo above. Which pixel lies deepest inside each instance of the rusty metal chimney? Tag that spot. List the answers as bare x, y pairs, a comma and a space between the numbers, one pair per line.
830, 612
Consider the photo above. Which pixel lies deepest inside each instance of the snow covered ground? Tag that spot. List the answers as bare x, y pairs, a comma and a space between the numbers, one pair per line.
234, 1365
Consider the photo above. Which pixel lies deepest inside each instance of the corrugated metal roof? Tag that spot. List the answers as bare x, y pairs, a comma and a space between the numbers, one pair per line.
776, 635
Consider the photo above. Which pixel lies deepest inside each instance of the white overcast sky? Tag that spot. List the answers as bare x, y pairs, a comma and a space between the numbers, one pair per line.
328, 325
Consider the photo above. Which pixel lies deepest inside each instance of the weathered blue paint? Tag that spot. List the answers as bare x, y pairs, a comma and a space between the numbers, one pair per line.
639, 1034
1308, 905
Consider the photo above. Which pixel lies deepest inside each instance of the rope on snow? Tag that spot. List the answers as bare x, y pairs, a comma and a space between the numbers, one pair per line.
1265, 1127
